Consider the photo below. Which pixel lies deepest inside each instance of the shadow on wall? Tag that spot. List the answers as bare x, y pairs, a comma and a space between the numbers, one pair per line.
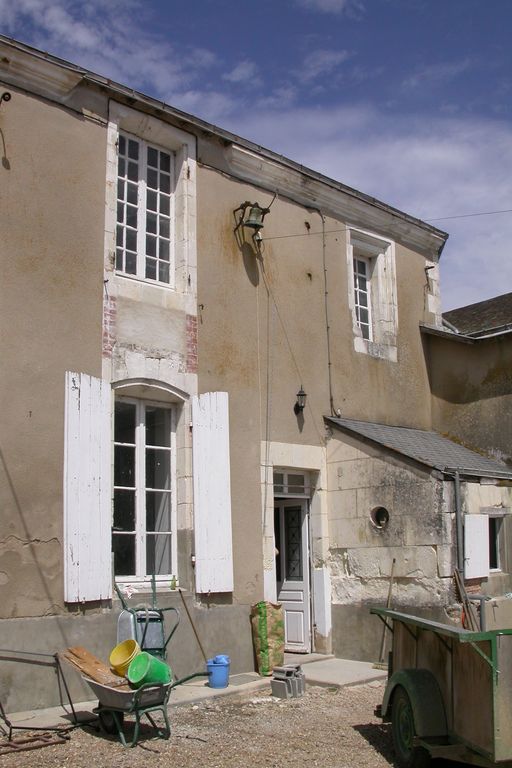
30, 544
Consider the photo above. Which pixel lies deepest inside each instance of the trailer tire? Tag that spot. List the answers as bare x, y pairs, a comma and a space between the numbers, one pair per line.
403, 729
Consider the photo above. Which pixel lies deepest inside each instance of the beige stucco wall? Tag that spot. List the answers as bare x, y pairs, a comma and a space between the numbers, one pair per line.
52, 221
420, 533
472, 392
262, 333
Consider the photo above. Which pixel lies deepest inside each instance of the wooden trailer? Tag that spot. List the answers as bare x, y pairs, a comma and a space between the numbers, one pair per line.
449, 692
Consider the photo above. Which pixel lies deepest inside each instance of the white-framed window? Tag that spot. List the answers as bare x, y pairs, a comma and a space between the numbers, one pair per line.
144, 516
362, 297
496, 542
372, 295
144, 232
150, 220
290, 482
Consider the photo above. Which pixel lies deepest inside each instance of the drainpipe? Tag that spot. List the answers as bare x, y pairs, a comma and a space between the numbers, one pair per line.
459, 527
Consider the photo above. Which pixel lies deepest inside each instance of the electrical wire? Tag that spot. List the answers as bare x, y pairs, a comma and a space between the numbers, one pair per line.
346, 229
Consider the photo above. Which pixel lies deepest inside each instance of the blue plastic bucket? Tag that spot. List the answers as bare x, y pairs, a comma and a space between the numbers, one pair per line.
218, 671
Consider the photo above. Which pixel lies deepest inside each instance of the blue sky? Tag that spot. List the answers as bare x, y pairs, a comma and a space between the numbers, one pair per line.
407, 100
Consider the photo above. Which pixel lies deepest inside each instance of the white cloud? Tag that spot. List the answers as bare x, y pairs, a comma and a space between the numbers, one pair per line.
352, 7
322, 62
445, 167
438, 73
245, 71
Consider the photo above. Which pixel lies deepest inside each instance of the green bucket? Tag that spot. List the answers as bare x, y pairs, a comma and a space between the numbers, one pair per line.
146, 668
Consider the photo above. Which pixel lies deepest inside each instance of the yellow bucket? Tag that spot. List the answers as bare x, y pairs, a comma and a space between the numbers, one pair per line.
122, 656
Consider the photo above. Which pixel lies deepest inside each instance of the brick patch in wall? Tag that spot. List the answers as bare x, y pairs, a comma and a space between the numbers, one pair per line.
109, 326
191, 331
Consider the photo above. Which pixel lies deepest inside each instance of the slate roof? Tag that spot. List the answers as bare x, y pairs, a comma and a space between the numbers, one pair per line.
482, 316
428, 448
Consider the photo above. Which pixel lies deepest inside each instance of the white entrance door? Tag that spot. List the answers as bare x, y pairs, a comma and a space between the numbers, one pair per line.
292, 571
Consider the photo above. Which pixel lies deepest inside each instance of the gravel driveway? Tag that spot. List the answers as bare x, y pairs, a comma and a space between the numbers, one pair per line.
325, 727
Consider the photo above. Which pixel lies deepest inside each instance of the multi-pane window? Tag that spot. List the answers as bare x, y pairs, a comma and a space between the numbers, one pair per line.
362, 296
142, 534
495, 527
144, 210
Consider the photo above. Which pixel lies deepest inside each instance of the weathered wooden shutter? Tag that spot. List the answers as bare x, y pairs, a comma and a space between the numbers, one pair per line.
212, 493
87, 489
476, 546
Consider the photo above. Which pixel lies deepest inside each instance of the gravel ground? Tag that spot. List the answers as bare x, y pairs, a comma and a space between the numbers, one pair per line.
325, 727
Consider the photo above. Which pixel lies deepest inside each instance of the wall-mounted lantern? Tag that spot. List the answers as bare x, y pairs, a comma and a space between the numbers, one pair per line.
251, 215
300, 403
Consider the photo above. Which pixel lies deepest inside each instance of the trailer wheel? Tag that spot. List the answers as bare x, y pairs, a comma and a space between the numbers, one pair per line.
402, 724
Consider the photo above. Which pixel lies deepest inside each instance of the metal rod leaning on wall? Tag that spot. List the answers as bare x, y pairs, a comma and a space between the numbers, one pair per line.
193, 626
388, 605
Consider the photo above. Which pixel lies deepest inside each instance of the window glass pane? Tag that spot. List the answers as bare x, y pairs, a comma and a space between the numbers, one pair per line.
158, 554
165, 183
363, 316
124, 510
120, 189
293, 540
363, 299
365, 331
119, 259
123, 547
132, 193
133, 171
158, 426
164, 250
164, 204
153, 157
295, 483
131, 240
152, 178
119, 235
151, 200
120, 213
131, 216
278, 482
150, 246
158, 469
133, 149
165, 162
151, 222
124, 466
122, 145
124, 422
164, 227
121, 167
163, 271
158, 511
131, 263
150, 268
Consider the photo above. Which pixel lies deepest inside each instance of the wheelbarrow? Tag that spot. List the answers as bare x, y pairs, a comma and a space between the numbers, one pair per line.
116, 702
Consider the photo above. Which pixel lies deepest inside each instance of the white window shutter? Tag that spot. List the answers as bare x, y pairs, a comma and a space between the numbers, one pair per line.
476, 546
212, 493
87, 489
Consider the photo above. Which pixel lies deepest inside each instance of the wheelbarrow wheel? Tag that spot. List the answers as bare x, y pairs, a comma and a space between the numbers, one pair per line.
108, 723
402, 724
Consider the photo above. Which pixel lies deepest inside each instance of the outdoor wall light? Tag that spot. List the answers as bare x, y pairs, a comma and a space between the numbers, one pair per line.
250, 215
300, 402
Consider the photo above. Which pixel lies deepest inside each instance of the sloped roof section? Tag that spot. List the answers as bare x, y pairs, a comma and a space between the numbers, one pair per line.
428, 448
484, 316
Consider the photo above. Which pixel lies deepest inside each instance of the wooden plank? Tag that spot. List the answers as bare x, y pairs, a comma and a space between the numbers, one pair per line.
212, 493
92, 667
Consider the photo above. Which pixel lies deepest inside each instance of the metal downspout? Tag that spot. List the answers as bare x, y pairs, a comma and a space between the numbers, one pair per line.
458, 519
